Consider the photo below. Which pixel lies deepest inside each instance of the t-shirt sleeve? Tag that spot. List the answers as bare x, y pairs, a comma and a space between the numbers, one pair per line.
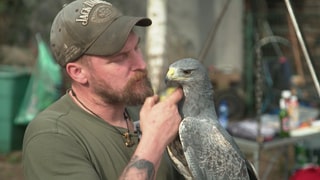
53, 156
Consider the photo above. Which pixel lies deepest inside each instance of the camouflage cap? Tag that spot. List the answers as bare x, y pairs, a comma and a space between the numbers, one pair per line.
92, 27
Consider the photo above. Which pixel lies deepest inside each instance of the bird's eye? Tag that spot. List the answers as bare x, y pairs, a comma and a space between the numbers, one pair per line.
187, 72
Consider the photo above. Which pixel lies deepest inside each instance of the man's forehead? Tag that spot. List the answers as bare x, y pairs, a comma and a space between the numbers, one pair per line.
132, 41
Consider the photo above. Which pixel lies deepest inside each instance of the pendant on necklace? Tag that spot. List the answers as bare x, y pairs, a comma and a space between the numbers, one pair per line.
129, 142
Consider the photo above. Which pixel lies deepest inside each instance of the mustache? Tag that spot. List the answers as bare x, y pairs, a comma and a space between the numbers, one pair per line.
139, 75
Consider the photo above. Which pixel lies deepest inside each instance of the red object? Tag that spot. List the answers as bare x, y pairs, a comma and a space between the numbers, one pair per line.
310, 173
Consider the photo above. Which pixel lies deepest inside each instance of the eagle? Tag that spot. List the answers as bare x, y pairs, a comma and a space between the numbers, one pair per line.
203, 149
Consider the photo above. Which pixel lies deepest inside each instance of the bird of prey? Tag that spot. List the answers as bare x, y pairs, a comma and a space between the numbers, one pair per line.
203, 149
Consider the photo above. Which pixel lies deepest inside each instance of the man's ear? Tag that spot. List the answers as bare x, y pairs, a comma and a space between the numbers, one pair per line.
77, 72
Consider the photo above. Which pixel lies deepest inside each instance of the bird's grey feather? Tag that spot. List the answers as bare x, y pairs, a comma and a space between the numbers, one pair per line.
209, 152
209, 155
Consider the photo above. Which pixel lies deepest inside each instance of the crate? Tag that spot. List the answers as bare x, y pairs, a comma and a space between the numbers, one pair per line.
13, 84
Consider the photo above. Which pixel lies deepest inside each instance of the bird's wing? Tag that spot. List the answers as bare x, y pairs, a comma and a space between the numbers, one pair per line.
208, 153
179, 161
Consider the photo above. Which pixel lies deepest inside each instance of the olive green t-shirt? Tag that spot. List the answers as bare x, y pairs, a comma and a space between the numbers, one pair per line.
64, 142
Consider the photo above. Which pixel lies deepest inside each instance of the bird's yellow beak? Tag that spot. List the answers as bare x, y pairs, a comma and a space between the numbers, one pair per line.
170, 72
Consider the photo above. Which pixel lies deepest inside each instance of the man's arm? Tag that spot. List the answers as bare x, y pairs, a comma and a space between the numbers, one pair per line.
159, 123
140, 168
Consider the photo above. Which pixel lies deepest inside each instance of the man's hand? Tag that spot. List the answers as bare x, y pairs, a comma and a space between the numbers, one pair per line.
161, 119
159, 122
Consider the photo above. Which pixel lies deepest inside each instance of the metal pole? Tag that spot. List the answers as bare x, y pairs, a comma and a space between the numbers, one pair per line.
303, 46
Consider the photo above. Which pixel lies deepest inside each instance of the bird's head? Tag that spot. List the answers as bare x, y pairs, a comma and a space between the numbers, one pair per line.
185, 72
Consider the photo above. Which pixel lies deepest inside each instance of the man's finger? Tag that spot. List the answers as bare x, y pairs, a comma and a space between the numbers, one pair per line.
150, 102
176, 96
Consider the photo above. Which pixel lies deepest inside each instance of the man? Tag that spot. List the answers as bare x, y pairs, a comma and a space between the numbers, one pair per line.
88, 133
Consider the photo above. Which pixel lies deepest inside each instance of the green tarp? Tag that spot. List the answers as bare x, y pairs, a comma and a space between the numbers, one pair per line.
43, 87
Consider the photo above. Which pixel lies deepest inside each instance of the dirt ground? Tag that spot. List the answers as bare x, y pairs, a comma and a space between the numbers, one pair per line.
11, 169
10, 166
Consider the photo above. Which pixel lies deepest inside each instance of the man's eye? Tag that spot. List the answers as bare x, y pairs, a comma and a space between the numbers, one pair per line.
137, 47
121, 57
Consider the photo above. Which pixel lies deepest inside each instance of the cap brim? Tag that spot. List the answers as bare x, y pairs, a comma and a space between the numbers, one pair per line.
114, 37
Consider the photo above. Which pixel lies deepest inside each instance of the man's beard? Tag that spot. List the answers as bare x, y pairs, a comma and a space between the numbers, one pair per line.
134, 93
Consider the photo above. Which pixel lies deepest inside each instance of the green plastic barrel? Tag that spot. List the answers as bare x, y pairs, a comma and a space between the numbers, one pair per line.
13, 85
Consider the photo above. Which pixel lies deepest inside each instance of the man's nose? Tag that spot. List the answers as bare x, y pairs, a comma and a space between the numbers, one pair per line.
139, 62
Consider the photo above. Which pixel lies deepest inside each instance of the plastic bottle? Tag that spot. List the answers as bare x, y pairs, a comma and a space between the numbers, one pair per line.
284, 119
223, 113
293, 110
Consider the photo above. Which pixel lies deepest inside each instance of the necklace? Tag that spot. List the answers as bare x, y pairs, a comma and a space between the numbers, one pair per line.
128, 142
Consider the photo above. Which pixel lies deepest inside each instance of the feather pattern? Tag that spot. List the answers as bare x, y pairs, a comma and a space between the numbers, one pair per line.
203, 149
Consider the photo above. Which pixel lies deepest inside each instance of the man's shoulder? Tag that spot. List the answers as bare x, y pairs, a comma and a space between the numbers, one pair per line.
49, 120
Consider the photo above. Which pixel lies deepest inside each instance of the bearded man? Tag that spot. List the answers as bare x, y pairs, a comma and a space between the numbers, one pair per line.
88, 133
